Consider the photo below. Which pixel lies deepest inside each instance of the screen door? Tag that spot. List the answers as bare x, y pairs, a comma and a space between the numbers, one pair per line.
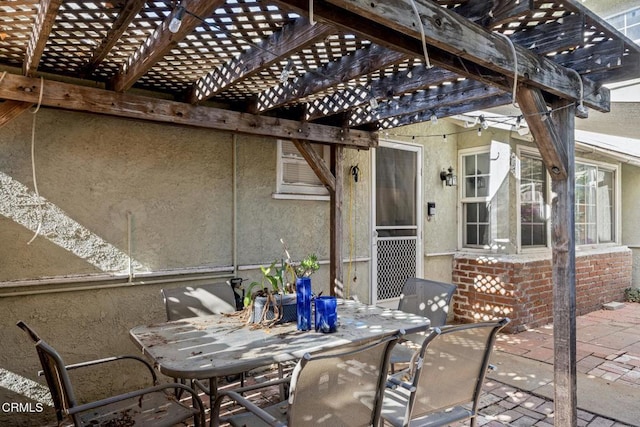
397, 234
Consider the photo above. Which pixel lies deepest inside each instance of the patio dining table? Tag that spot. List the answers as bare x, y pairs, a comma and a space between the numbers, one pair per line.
222, 345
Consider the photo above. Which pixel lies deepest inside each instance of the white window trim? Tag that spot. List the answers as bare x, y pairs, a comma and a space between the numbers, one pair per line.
462, 200
531, 152
611, 167
617, 178
302, 191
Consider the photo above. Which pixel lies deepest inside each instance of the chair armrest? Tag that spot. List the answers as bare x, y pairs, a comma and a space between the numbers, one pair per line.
141, 392
112, 359
247, 404
203, 387
393, 382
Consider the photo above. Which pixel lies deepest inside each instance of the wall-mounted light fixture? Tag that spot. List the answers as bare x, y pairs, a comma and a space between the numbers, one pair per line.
449, 177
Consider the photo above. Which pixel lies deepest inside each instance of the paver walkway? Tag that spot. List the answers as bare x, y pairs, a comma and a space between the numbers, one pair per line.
520, 392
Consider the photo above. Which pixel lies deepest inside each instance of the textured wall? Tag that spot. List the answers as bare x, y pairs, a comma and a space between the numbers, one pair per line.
175, 186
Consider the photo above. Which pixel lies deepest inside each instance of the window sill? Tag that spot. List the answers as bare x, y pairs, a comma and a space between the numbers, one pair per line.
287, 196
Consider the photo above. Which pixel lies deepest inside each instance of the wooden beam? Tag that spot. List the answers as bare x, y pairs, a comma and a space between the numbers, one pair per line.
592, 59
558, 36
94, 100
451, 38
490, 14
629, 69
336, 270
125, 17
358, 63
10, 109
564, 274
162, 41
317, 163
291, 38
414, 79
505, 11
446, 111
42, 26
552, 147
426, 101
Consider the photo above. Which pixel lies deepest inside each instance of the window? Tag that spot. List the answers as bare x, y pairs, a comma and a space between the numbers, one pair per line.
533, 202
628, 23
595, 203
595, 207
475, 200
296, 179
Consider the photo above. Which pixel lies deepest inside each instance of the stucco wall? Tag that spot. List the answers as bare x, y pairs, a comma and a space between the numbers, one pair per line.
630, 229
170, 188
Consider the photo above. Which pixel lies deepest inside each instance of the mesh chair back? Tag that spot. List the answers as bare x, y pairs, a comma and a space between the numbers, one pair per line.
213, 298
453, 365
55, 373
340, 389
427, 298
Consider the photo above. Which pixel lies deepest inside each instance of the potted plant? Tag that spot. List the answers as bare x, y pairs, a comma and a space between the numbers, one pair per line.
274, 298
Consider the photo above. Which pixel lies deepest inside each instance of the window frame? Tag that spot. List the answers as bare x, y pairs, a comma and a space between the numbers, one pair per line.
534, 154
298, 191
467, 200
613, 168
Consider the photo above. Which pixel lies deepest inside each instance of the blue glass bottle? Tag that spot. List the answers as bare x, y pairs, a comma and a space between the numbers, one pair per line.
303, 303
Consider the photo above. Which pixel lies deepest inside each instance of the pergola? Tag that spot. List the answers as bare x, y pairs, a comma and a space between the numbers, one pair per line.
333, 72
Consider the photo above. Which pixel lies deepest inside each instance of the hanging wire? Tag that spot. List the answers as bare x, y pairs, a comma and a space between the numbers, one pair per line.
422, 35
311, 20
33, 161
514, 54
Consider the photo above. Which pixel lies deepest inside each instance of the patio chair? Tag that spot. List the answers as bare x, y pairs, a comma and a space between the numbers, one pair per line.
152, 406
190, 301
445, 380
426, 298
339, 388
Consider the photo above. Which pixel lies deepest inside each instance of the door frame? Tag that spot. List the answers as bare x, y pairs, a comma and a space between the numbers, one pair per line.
418, 149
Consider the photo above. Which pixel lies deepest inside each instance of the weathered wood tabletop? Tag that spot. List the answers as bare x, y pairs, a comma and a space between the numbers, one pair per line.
219, 345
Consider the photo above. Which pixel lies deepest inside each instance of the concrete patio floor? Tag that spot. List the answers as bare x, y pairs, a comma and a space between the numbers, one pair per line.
520, 392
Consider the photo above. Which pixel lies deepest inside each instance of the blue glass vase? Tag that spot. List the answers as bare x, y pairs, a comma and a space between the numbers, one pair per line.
303, 303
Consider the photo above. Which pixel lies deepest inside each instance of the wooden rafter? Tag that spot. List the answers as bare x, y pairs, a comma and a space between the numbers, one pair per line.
80, 98
39, 35
317, 163
11, 109
414, 79
627, 70
361, 62
446, 111
547, 138
442, 96
452, 37
600, 57
291, 38
125, 17
162, 41
552, 37
505, 11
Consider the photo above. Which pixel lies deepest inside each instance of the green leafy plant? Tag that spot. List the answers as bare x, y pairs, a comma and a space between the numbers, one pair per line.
632, 294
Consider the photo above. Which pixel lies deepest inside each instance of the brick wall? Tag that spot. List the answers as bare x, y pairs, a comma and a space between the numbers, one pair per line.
520, 287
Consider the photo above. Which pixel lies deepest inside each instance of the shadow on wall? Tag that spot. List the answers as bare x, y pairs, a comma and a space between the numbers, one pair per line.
47, 220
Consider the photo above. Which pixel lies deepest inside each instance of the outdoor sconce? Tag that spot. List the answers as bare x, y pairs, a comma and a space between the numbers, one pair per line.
449, 177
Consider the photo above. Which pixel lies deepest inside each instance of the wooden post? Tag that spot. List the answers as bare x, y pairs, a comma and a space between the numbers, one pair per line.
564, 274
337, 198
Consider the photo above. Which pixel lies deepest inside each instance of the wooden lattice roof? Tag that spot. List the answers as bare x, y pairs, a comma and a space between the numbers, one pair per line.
360, 65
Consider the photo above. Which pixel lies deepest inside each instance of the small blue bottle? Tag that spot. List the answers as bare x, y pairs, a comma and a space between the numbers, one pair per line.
303, 303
